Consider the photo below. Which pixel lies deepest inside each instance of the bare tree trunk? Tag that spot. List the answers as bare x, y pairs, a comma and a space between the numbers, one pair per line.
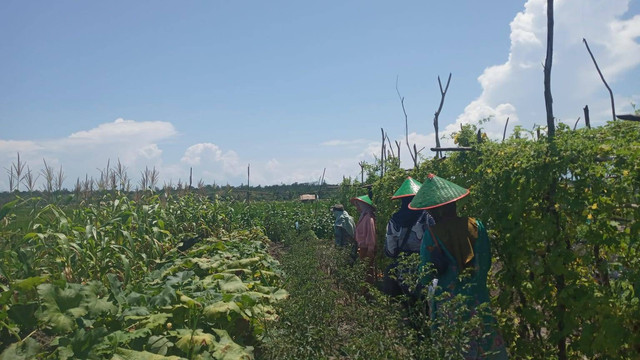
382, 153
613, 106
443, 93
398, 146
248, 178
548, 100
587, 121
390, 146
414, 157
504, 133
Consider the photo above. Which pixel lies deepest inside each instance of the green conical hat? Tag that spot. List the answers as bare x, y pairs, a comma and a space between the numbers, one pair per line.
409, 187
364, 198
436, 191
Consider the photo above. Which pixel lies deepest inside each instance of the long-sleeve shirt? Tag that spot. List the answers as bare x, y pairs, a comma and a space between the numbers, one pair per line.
395, 240
366, 230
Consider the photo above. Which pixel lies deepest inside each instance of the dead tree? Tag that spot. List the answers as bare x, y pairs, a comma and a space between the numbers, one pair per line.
382, 153
412, 153
443, 93
587, 121
548, 100
504, 133
613, 106
393, 154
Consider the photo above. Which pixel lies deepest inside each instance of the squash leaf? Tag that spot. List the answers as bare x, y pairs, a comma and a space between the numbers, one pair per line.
231, 283
227, 349
197, 339
23, 350
125, 354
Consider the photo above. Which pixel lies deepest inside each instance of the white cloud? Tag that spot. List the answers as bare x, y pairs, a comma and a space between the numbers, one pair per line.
134, 143
212, 158
122, 131
515, 89
355, 142
273, 165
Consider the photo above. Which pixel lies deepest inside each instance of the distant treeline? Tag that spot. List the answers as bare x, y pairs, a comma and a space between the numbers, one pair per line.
280, 192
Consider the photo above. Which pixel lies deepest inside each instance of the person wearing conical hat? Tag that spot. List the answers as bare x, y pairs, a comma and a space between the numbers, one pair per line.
366, 234
404, 235
452, 246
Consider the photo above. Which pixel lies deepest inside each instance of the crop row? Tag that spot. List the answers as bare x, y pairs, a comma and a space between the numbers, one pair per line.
113, 278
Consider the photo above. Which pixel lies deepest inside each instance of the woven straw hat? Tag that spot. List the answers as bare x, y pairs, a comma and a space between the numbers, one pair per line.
364, 198
436, 191
409, 187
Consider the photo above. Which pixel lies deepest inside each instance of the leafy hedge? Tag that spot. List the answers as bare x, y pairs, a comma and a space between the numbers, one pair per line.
564, 221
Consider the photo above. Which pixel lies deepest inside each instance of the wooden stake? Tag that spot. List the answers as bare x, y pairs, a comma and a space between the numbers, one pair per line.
587, 122
443, 93
613, 106
504, 133
548, 99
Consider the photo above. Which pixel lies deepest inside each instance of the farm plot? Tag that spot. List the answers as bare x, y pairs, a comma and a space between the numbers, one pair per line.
108, 281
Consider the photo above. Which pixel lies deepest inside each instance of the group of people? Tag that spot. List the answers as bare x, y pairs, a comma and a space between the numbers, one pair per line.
427, 224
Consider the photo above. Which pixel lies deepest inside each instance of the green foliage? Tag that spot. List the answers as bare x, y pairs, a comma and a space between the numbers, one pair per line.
563, 218
327, 316
106, 280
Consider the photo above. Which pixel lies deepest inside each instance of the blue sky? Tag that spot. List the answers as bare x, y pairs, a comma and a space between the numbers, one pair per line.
290, 87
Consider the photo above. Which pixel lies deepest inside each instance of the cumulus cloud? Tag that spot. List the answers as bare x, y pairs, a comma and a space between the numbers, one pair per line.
213, 163
208, 153
134, 143
514, 89
123, 131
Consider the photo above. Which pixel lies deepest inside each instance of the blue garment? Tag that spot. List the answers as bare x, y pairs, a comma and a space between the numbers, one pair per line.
474, 287
344, 228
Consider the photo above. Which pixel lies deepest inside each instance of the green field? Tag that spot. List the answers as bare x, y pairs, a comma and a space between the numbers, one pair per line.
111, 275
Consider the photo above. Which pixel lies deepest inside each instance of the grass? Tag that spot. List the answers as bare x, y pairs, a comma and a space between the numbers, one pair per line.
332, 313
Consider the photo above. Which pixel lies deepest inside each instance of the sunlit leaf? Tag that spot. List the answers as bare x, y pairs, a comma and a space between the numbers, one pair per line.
126, 354
188, 339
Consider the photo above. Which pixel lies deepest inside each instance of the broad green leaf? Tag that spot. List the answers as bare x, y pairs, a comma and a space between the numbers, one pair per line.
231, 283
24, 350
155, 320
30, 283
166, 297
242, 263
24, 315
221, 307
136, 311
281, 294
188, 339
159, 344
125, 354
251, 298
101, 306
180, 278
227, 349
